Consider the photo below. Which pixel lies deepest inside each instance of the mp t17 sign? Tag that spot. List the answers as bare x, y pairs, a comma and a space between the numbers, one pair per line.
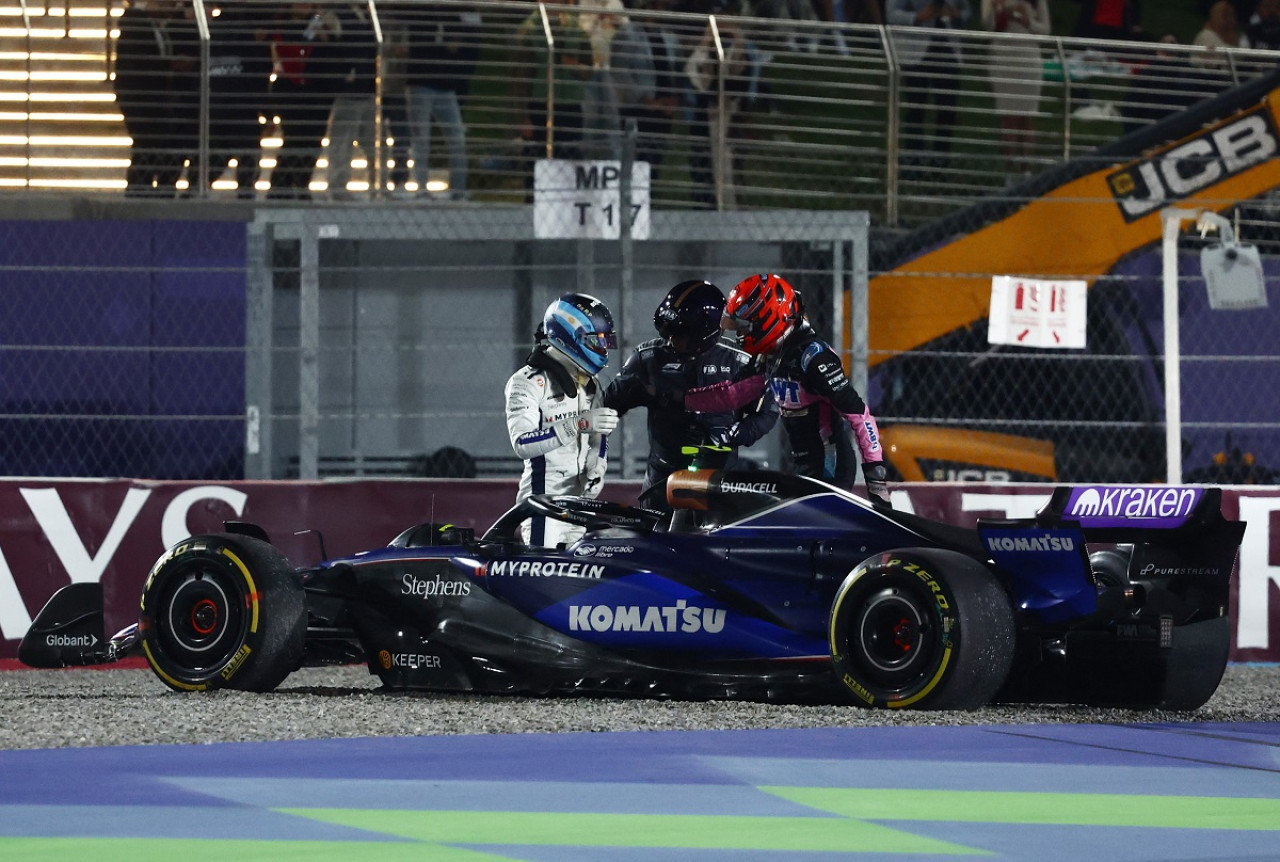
583, 199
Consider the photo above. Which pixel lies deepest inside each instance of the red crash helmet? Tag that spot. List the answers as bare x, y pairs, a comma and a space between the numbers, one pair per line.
762, 309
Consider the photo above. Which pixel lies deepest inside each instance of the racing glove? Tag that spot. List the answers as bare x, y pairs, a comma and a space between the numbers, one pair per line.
589, 486
876, 476
597, 421
730, 436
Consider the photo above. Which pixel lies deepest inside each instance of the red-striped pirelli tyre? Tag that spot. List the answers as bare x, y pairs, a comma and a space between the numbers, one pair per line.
223, 611
921, 629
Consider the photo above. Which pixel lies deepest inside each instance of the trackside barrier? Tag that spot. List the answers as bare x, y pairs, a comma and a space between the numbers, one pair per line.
59, 532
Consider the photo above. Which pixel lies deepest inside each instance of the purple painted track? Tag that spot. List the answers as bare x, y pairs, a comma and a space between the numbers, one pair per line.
183, 792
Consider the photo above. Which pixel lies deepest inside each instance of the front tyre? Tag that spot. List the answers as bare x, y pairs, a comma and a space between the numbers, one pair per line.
921, 628
223, 611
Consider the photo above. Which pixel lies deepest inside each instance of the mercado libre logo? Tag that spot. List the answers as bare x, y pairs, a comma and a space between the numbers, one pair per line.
1194, 164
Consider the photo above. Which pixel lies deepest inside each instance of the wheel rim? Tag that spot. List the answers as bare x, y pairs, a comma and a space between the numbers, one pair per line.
199, 617
892, 638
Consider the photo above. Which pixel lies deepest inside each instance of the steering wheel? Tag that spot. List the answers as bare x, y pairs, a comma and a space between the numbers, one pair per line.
582, 511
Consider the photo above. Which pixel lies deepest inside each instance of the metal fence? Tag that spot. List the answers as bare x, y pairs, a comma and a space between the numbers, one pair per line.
380, 338
733, 112
962, 408
122, 345
374, 339
224, 328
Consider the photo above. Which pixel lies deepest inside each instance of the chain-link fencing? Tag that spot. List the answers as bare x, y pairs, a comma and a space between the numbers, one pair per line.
122, 348
962, 408
1098, 413
376, 340
380, 341
369, 329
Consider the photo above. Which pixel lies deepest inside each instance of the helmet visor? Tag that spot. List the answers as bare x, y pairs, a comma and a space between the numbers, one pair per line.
600, 341
729, 323
685, 345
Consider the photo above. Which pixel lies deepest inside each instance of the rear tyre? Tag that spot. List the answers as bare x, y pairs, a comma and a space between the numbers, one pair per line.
223, 611
921, 629
1166, 663
1196, 664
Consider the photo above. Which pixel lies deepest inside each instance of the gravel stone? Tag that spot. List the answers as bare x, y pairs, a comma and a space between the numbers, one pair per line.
105, 707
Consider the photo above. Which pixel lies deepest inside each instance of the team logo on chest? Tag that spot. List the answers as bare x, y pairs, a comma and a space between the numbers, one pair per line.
786, 391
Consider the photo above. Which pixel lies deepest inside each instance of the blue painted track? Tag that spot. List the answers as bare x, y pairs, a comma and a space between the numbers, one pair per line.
1026, 792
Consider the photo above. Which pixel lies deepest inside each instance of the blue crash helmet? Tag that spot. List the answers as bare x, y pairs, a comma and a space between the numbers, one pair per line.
581, 328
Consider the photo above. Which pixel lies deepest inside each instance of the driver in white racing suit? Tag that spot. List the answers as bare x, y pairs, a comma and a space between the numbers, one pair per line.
555, 415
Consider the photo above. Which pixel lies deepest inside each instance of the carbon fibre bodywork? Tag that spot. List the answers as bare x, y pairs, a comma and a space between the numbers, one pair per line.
761, 586
740, 604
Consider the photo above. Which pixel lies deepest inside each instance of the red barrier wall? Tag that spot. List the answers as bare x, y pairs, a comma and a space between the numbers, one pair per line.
56, 532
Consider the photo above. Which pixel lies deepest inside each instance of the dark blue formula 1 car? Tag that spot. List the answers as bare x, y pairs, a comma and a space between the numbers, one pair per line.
761, 586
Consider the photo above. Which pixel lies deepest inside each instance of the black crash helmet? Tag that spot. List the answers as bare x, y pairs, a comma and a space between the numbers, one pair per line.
689, 317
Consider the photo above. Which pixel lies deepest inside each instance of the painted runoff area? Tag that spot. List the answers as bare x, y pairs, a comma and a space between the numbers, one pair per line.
1017, 792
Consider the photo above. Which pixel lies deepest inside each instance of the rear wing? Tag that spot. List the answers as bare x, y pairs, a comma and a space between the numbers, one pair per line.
1118, 512
1177, 534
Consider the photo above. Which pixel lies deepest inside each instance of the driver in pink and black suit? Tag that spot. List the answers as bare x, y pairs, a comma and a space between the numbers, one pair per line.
824, 416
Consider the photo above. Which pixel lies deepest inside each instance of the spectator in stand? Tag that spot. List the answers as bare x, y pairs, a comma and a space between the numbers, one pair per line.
239, 83
1243, 8
832, 11
396, 132
784, 10
848, 12
1163, 86
571, 68
352, 119
711, 155
144, 88
1104, 19
645, 69
1264, 26
444, 44
1016, 72
634, 76
1263, 33
633, 72
600, 20
786, 38
837, 12
184, 101
930, 57
1109, 19
853, 11
1118, 19
1221, 30
303, 93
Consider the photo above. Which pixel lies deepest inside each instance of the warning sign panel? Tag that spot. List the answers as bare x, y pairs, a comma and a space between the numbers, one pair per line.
1031, 312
